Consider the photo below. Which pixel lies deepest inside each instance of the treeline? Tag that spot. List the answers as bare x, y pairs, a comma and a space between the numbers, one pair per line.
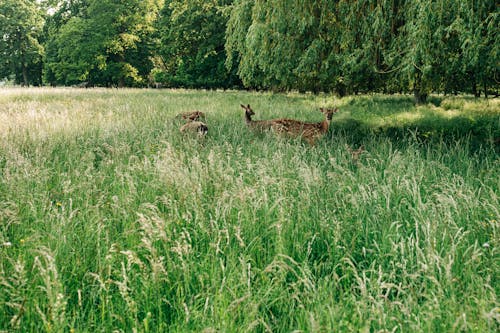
345, 46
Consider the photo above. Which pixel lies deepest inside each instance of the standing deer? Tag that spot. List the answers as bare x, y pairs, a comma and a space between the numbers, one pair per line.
307, 131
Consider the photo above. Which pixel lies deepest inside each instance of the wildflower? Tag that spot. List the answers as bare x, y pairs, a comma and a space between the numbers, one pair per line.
486, 245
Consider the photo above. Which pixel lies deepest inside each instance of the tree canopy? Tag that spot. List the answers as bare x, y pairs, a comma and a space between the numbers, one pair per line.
342, 46
21, 50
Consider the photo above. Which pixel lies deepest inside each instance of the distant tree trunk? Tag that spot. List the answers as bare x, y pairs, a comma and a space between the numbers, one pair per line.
475, 92
418, 92
420, 96
121, 78
341, 90
25, 75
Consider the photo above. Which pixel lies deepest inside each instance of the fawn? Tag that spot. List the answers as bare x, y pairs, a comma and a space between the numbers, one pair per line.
191, 115
195, 127
355, 154
260, 125
307, 131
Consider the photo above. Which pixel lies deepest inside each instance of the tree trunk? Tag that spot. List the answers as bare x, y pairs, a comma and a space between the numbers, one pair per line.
25, 76
341, 90
121, 78
474, 87
418, 92
420, 96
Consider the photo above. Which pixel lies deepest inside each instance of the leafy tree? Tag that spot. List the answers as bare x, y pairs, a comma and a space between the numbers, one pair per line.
21, 24
369, 45
191, 44
108, 42
274, 49
238, 47
479, 25
346, 46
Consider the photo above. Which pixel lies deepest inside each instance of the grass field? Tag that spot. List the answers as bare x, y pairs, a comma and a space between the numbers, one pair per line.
112, 221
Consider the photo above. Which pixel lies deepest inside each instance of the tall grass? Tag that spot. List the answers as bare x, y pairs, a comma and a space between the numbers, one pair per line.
111, 220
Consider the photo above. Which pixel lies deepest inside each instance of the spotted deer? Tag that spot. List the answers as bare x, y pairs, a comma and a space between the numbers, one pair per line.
191, 115
309, 132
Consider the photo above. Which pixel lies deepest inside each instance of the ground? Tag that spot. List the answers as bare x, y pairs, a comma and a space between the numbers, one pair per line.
112, 220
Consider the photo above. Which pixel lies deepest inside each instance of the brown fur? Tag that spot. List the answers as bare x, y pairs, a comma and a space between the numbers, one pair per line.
355, 154
307, 131
191, 115
195, 127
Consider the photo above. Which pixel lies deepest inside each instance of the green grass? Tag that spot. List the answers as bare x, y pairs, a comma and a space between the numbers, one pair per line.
111, 220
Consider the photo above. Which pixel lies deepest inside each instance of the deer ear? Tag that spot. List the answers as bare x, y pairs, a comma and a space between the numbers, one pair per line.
248, 106
242, 106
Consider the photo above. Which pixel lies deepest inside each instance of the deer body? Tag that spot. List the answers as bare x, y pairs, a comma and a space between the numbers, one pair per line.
307, 131
290, 127
195, 127
191, 115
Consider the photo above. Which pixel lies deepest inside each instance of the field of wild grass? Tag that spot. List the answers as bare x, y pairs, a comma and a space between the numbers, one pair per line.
112, 221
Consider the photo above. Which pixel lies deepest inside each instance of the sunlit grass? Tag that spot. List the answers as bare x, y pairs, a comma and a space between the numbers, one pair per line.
111, 220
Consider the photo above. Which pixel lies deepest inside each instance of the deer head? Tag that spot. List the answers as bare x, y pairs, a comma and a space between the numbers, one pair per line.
248, 110
329, 112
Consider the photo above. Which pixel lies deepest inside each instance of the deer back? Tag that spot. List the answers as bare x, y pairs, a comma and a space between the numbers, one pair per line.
307, 130
191, 115
195, 127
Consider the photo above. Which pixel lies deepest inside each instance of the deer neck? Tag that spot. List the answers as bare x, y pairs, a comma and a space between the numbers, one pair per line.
325, 124
248, 118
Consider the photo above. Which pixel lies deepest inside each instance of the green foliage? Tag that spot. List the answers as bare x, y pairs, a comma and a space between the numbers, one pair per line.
21, 23
349, 47
107, 43
360, 46
191, 45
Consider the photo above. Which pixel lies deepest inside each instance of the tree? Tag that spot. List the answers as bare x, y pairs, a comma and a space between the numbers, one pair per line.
21, 24
107, 42
273, 49
238, 47
371, 45
478, 23
191, 44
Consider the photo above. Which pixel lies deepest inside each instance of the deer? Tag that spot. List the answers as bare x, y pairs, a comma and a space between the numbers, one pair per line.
259, 125
310, 132
191, 115
193, 123
355, 154
198, 127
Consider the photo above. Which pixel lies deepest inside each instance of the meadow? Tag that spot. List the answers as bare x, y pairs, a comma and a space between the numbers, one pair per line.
111, 220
